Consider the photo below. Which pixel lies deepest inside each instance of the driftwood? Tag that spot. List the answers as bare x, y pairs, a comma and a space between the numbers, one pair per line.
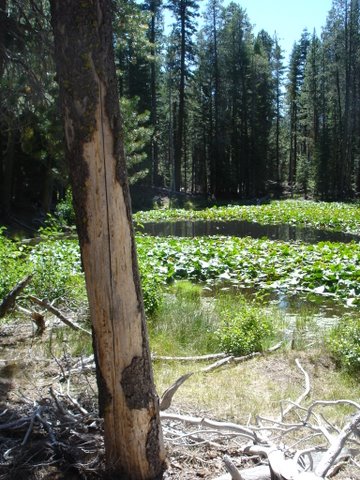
241, 430
58, 314
230, 467
9, 301
304, 395
221, 359
232, 359
255, 473
198, 358
268, 439
167, 396
282, 463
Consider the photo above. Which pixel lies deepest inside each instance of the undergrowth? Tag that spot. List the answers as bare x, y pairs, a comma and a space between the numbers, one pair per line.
344, 343
189, 323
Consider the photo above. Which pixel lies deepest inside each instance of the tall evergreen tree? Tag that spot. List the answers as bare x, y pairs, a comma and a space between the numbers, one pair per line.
278, 70
184, 28
154, 35
295, 81
261, 112
309, 117
30, 151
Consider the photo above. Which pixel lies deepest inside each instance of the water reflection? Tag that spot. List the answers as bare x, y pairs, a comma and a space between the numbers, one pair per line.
306, 317
245, 229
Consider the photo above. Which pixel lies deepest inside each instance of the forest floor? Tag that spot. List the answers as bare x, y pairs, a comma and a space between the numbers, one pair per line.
49, 427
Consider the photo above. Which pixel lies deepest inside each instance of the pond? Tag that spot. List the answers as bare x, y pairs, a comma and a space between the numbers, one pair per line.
245, 229
306, 317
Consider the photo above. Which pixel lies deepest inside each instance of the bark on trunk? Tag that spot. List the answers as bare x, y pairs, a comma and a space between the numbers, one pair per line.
127, 398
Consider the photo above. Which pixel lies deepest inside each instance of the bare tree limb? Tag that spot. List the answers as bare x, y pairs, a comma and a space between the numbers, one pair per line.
233, 427
9, 301
305, 393
333, 452
230, 467
261, 472
58, 314
198, 358
167, 396
217, 364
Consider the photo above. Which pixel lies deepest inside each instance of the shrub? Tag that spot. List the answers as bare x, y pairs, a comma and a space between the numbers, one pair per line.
243, 329
12, 265
57, 270
64, 211
152, 294
344, 344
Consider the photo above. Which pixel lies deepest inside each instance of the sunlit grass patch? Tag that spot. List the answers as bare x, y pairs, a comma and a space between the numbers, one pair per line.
183, 324
258, 386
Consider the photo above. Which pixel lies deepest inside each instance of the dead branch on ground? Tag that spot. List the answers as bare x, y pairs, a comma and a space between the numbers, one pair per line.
8, 302
58, 314
300, 446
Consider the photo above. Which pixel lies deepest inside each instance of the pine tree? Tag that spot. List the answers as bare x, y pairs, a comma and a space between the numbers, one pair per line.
295, 81
184, 28
278, 70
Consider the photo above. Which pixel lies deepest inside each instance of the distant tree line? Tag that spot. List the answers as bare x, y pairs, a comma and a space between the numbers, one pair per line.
209, 106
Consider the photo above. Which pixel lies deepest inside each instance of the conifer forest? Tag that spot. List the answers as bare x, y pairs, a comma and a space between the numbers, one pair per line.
209, 107
179, 242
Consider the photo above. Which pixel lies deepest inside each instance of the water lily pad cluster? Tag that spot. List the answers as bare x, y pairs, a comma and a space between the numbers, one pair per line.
334, 216
325, 268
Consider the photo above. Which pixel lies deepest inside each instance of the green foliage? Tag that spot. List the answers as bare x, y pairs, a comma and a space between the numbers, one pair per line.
335, 216
13, 266
324, 268
57, 270
243, 329
137, 135
344, 343
152, 294
64, 211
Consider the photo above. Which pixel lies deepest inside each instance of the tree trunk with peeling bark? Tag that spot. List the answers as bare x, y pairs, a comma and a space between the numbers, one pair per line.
127, 398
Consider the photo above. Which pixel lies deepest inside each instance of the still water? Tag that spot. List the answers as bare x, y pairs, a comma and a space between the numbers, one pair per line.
306, 316
245, 229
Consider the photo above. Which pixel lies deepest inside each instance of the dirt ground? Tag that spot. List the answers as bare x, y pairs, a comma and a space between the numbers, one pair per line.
50, 429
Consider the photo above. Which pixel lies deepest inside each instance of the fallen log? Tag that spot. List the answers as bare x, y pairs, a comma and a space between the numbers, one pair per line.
245, 432
197, 358
232, 359
261, 472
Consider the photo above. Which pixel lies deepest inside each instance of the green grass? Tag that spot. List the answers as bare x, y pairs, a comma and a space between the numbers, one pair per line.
240, 392
188, 323
334, 216
184, 324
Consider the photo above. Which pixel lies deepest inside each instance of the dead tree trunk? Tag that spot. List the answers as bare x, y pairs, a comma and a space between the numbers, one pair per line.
127, 398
